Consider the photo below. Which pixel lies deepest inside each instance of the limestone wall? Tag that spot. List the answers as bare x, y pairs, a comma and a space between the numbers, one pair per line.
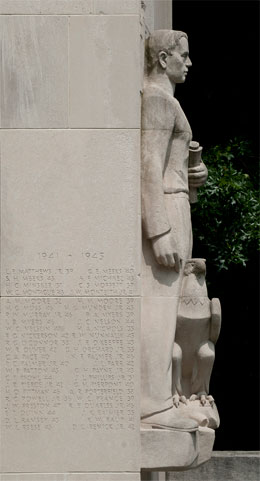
157, 14
70, 130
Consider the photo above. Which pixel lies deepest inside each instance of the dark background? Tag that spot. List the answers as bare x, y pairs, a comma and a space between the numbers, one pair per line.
221, 100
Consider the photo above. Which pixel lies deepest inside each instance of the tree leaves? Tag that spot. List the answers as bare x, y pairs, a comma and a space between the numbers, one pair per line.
226, 217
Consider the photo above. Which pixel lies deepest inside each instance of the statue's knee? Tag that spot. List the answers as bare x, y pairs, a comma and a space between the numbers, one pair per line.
207, 351
177, 353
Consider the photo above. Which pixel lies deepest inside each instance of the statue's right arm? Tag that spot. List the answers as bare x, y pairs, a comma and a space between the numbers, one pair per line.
157, 126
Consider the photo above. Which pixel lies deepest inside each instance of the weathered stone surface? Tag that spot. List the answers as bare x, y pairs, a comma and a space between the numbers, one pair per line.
46, 7
114, 7
161, 449
104, 75
70, 396
33, 477
162, 14
69, 7
148, 16
224, 466
206, 438
71, 477
157, 14
70, 200
34, 72
164, 450
103, 477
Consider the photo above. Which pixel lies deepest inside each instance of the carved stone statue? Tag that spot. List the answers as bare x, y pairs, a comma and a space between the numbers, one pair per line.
197, 331
167, 231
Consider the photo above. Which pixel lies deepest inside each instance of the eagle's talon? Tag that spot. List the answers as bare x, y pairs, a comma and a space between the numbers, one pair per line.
194, 397
211, 400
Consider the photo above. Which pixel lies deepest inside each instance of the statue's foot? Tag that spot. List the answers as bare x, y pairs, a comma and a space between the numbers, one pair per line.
203, 409
168, 420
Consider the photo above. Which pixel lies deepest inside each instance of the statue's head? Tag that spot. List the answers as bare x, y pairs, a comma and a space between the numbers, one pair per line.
168, 51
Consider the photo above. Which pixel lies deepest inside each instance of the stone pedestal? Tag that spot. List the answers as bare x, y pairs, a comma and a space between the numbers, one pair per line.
224, 466
165, 450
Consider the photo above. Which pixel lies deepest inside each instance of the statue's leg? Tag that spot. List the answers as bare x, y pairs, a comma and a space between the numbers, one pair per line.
176, 373
202, 404
158, 330
160, 296
205, 360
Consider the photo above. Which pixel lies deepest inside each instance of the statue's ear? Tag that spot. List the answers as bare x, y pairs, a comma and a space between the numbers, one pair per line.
162, 59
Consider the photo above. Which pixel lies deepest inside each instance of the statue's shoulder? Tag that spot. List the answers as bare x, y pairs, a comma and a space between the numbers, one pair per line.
158, 108
151, 90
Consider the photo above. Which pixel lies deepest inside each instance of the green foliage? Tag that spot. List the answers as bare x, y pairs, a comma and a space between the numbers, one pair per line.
226, 217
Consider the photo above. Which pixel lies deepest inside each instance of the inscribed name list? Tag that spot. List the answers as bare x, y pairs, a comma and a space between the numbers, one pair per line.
69, 383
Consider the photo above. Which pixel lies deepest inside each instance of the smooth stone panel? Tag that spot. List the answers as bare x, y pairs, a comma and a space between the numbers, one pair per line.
34, 72
71, 477
33, 477
70, 385
163, 14
157, 15
103, 477
224, 466
164, 450
46, 7
169, 450
114, 7
70, 212
206, 440
104, 73
69, 7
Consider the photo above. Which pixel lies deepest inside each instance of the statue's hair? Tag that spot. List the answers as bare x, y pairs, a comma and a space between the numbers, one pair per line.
161, 40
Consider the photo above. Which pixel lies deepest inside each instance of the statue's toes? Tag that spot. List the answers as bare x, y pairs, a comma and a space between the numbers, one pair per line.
176, 400
183, 399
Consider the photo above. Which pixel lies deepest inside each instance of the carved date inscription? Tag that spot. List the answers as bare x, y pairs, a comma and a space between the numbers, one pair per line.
72, 361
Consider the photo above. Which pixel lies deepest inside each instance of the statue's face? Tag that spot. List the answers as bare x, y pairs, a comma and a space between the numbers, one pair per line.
178, 63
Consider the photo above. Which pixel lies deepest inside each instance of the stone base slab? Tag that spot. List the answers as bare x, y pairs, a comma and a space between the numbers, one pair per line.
205, 439
165, 450
224, 466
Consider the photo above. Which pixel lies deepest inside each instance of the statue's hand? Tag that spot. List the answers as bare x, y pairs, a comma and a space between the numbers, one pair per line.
197, 175
165, 252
